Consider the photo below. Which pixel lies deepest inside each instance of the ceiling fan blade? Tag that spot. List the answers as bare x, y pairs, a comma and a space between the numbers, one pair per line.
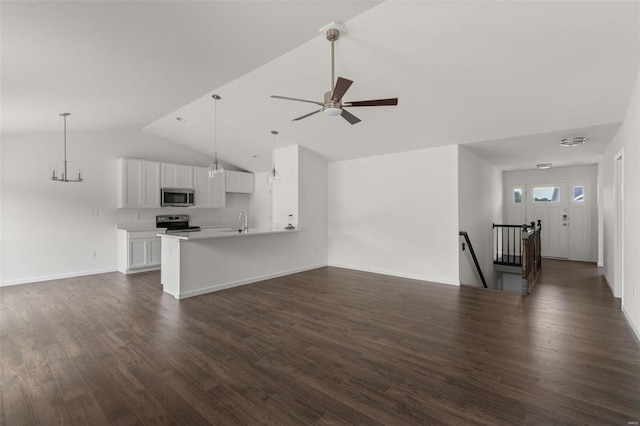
377, 102
350, 117
341, 87
307, 115
296, 99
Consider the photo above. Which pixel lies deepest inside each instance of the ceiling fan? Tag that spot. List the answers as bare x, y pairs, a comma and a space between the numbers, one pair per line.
333, 104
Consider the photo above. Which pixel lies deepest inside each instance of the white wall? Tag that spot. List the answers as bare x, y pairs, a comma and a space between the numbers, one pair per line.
627, 141
396, 214
302, 175
313, 219
260, 203
46, 229
286, 193
480, 204
522, 178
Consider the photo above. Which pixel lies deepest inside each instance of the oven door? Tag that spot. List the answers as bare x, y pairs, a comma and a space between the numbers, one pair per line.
177, 197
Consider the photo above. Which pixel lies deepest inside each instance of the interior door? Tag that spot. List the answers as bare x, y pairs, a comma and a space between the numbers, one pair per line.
549, 203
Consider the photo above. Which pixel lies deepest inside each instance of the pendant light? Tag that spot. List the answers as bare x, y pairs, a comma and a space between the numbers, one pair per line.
215, 169
274, 177
65, 175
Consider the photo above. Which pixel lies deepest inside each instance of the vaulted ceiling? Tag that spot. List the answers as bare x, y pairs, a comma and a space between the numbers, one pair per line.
492, 75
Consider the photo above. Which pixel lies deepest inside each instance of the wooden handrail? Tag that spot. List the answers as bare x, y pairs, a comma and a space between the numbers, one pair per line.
531, 258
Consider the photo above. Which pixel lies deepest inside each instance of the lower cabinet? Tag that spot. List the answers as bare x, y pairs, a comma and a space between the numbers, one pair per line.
138, 251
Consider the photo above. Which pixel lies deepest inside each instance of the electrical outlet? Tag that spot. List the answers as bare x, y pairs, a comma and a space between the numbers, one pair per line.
137, 216
94, 213
93, 253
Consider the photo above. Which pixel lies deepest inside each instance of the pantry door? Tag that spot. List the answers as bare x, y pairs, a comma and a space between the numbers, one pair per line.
549, 203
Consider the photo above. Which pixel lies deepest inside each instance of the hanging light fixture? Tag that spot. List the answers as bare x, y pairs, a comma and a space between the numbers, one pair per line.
215, 169
65, 175
274, 177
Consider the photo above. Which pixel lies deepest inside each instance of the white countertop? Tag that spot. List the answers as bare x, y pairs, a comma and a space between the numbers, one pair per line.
223, 233
133, 227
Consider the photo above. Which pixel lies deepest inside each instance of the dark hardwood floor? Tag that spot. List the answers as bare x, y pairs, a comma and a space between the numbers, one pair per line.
329, 346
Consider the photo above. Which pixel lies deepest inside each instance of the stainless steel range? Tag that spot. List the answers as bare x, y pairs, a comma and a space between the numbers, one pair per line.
175, 223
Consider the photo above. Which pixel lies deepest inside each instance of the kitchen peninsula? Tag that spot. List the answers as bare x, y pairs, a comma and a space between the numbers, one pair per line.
195, 263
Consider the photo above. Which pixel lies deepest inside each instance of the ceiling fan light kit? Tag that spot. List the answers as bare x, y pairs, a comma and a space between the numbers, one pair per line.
333, 105
332, 111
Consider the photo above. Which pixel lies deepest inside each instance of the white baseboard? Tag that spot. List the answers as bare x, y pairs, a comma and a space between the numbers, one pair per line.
55, 277
251, 280
432, 279
633, 327
136, 271
606, 279
600, 264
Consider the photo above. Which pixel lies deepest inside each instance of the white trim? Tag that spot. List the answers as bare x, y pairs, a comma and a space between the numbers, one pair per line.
437, 280
600, 264
618, 194
238, 283
135, 271
606, 279
633, 328
56, 277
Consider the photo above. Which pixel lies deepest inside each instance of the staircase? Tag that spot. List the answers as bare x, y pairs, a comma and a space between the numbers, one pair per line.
517, 254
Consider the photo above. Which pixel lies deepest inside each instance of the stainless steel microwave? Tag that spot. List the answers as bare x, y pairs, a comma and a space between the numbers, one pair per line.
177, 197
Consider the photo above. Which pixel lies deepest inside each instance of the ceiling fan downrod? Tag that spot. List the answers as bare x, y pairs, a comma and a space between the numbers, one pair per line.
332, 35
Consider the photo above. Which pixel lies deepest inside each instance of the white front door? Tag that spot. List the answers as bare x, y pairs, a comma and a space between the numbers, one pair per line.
549, 203
580, 207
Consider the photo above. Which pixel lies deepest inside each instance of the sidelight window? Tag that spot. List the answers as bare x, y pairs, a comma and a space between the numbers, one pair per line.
578, 194
517, 195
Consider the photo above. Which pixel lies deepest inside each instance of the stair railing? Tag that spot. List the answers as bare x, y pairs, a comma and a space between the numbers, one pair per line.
508, 245
475, 259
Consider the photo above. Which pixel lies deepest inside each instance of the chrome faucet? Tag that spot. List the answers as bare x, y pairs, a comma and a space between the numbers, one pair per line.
245, 226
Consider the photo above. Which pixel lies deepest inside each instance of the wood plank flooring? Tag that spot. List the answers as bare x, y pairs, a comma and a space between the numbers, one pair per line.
326, 347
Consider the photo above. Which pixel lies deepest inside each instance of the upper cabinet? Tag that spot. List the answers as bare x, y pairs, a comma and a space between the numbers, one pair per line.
177, 176
241, 182
209, 193
138, 183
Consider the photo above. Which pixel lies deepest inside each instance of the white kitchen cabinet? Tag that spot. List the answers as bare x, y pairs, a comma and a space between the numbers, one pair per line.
209, 193
177, 176
138, 183
154, 251
242, 182
138, 251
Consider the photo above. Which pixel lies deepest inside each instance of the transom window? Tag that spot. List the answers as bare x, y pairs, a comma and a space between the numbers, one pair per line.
547, 194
